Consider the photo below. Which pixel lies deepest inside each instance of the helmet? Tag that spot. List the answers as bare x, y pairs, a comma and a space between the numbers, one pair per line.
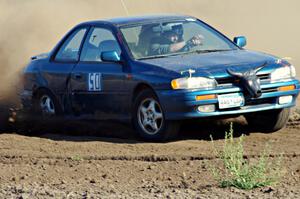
169, 33
174, 29
178, 29
171, 36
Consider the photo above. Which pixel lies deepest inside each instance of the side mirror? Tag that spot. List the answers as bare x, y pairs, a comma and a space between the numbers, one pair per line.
240, 41
110, 56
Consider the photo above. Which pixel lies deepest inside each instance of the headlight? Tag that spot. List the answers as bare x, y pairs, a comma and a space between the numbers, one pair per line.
284, 73
193, 83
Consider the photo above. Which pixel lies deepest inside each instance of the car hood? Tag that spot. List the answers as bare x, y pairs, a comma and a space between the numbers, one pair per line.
214, 64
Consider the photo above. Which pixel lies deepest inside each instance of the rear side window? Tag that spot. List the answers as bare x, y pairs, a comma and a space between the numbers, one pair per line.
99, 40
69, 51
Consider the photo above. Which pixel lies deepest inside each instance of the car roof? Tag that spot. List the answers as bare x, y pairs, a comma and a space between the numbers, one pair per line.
137, 19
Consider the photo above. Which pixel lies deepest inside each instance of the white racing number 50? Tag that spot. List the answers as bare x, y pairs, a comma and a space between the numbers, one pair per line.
95, 80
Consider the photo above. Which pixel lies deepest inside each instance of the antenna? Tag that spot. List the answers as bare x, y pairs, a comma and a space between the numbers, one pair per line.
125, 7
127, 13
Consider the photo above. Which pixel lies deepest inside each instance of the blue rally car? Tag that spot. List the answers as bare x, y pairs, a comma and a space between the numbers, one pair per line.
155, 71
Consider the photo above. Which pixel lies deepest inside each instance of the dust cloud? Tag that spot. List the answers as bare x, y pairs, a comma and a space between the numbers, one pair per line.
34, 26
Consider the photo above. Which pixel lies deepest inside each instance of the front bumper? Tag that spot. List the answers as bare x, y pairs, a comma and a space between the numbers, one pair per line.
182, 104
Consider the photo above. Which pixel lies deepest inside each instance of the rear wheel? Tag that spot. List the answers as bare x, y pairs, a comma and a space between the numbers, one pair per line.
149, 120
268, 121
46, 105
45, 108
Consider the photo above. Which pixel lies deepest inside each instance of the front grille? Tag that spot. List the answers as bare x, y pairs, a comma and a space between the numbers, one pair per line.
232, 80
268, 90
264, 77
227, 80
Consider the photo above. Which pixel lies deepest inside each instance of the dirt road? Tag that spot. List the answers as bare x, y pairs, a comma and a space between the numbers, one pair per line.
77, 166
106, 161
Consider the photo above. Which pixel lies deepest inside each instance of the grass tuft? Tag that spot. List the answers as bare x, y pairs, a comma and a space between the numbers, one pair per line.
237, 171
76, 158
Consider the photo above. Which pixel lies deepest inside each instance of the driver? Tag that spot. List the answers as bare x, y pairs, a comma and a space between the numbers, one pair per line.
171, 42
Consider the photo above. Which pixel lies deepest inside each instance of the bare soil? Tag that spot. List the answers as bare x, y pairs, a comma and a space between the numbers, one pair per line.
92, 160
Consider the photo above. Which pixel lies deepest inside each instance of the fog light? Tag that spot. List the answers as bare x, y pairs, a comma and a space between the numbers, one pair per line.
207, 108
285, 99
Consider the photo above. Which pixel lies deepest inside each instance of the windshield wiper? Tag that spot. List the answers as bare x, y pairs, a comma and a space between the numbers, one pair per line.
185, 53
210, 51
160, 56
201, 51
153, 57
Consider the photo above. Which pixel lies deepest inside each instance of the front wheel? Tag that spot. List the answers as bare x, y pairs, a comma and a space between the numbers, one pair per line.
149, 120
268, 121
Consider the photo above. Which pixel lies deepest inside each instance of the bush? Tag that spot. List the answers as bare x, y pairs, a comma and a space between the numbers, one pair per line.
237, 171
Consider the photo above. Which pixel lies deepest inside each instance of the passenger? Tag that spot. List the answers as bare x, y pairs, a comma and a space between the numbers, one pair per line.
171, 42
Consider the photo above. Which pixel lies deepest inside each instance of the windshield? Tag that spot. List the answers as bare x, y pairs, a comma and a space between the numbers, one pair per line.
173, 38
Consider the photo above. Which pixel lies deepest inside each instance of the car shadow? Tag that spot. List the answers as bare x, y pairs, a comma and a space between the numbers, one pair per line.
116, 132
213, 129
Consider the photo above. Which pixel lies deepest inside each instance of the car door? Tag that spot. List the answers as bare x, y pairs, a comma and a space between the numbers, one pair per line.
97, 86
55, 73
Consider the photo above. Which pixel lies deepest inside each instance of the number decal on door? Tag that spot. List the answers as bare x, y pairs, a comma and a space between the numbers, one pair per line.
95, 82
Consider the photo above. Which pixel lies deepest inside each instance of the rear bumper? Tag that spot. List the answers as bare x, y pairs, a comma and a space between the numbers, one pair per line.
182, 104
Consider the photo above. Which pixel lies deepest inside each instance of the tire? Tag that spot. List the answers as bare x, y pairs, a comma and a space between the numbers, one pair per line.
268, 121
148, 118
45, 105
39, 119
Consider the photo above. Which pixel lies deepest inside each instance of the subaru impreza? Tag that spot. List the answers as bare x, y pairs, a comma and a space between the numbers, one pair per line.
155, 71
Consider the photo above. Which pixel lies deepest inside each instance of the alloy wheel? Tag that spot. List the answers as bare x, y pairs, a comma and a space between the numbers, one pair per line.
47, 105
150, 116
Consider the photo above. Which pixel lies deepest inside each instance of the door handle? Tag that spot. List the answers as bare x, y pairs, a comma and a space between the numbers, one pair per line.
78, 75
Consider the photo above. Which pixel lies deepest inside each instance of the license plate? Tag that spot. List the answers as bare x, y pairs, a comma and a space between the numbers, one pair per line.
231, 100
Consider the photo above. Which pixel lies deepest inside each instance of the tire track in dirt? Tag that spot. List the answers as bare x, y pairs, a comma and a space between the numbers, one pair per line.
6, 159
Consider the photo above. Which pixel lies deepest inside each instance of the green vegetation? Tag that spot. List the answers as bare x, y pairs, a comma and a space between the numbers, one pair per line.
239, 172
76, 158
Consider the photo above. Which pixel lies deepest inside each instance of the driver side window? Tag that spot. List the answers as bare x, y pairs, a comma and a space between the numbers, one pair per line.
99, 40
